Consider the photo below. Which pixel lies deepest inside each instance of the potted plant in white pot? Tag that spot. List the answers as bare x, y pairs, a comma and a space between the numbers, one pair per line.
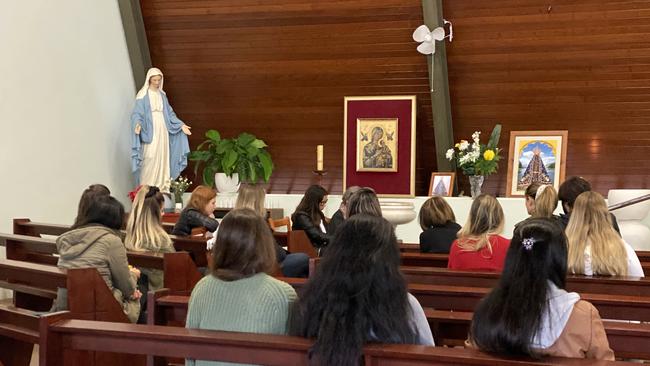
227, 162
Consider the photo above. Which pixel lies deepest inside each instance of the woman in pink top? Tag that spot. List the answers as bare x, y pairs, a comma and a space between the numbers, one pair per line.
479, 245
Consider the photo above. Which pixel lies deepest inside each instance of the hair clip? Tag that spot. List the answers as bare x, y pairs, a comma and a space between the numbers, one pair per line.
540, 190
528, 243
152, 191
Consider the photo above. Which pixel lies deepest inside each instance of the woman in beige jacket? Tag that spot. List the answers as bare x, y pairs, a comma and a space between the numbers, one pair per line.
529, 313
96, 243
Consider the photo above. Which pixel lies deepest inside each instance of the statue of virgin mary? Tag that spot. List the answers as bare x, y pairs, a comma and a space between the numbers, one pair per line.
159, 141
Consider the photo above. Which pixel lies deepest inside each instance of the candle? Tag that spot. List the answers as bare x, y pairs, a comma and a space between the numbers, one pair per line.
319, 157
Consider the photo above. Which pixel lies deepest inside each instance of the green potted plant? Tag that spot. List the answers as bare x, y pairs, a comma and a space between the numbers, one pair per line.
227, 162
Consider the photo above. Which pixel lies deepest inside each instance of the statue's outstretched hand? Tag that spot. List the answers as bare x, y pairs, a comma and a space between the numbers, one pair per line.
186, 129
138, 128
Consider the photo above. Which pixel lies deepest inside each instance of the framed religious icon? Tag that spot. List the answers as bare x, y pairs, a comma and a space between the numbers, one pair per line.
442, 184
535, 157
379, 144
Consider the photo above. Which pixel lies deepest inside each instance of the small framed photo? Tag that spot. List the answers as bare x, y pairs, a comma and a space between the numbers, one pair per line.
442, 184
535, 157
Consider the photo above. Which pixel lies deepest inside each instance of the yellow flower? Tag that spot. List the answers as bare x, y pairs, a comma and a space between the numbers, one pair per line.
488, 155
457, 145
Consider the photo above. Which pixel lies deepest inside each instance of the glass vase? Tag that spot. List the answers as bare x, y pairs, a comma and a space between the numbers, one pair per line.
476, 182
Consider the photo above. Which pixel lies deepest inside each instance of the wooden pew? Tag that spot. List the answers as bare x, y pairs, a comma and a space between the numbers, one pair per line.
180, 271
19, 331
629, 340
67, 342
599, 285
35, 287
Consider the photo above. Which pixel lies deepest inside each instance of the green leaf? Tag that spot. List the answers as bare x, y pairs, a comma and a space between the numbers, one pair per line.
200, 155
252, 174
224, 146
252, 151
259, 144
213, 135
245, 139
494, 137
228, 162
267, 164
208, 176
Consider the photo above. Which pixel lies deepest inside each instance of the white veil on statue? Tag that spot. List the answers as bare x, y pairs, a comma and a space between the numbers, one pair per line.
151, 73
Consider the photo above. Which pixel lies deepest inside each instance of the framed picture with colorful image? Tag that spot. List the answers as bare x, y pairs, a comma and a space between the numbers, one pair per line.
379, 144
442, 184
535, 157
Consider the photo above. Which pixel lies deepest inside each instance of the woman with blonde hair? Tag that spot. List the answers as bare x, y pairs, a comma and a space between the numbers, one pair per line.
439, 226
541, 200
594, 246
144, 231
292, 264
479, 245
199, 212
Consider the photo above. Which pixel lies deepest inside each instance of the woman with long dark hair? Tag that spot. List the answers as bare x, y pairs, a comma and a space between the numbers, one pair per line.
359, 295
89, 194
529, 312
309, 216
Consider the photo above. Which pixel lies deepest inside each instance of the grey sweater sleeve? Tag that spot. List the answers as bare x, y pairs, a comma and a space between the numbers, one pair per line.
118, 265
420, 323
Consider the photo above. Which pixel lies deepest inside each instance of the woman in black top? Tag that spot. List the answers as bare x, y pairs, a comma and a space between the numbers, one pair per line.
439, 224
309, 216
198, 213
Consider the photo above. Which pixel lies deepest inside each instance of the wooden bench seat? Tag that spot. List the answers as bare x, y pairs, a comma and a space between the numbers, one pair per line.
19, 331
180, 270
35, 287
65, 342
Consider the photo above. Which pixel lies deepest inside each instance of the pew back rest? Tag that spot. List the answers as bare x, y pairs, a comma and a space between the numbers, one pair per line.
298, 242
65, 338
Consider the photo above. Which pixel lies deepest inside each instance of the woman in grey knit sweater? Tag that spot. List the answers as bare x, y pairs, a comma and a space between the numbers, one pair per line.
240, 295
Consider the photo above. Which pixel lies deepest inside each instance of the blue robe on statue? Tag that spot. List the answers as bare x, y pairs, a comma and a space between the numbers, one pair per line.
179, 146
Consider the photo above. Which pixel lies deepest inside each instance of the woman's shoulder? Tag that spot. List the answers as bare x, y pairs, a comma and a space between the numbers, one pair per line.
278, 287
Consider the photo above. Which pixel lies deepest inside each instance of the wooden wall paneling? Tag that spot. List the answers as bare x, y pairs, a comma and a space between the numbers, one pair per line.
579, 65
280, 69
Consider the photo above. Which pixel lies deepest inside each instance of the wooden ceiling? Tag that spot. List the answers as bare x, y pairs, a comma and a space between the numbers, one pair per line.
280, 69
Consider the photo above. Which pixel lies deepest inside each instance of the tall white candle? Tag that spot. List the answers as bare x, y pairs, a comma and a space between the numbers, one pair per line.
319, 157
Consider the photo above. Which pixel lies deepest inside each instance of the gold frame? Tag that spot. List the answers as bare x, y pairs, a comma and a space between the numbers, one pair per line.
452, 176
560, 157
412, 98
359, 164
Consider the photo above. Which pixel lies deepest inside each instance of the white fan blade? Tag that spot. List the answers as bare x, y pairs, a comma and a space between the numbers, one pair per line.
427, 48
421, 32
438, 34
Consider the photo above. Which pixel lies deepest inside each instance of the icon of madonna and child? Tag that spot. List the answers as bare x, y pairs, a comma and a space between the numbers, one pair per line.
377, 145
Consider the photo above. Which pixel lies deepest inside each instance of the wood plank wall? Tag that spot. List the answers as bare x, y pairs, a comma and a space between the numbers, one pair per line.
280, 69
579, 65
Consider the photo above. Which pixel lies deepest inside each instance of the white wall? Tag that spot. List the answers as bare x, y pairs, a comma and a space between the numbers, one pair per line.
66, 93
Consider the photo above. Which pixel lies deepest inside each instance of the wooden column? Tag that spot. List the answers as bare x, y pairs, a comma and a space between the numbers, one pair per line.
444, 136
136, 39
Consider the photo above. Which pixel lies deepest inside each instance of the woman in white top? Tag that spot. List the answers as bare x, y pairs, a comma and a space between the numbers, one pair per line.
594, 246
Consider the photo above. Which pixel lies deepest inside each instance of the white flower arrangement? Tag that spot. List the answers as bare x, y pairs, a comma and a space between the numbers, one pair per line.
474, 158
178, 186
